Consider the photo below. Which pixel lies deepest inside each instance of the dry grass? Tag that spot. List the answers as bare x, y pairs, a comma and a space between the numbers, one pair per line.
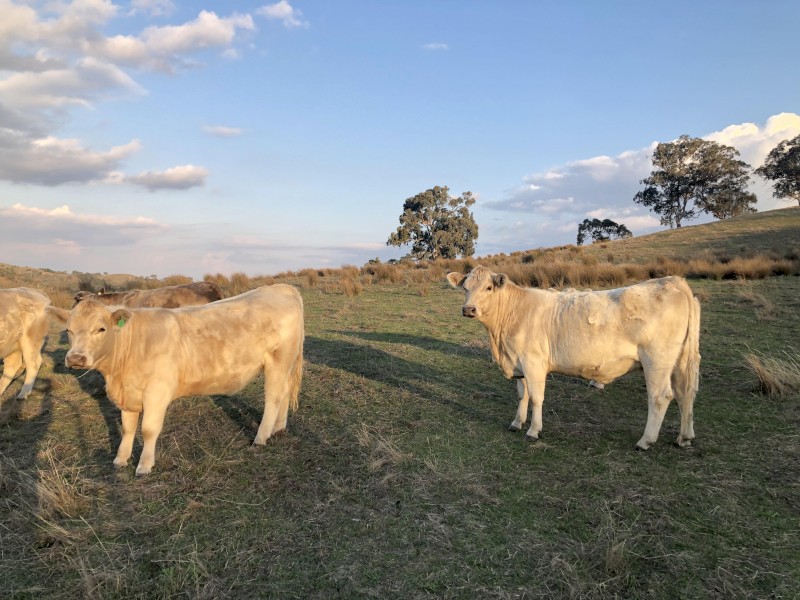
765, 309
777, 376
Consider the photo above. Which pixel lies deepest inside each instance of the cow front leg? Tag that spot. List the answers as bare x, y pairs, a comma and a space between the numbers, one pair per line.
32, 357
11, 366
522, 406
536, 380
152, 423
130, 421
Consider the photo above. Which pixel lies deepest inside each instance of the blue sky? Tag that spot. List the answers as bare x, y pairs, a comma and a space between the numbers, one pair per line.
165, 137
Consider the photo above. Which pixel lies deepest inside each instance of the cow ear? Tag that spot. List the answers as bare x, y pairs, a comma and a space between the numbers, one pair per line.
120, 316
456, 280
499, 280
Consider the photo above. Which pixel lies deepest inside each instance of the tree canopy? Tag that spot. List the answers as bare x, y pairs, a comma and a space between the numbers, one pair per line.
693, 176
601, 231
437, 225
782, 167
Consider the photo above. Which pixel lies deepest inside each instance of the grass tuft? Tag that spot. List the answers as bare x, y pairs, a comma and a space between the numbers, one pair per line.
777, 376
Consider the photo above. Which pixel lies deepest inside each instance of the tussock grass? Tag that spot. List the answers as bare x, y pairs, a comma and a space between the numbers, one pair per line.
777, 375
764, 308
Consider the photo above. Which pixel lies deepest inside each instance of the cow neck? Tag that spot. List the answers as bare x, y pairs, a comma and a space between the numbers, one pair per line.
500, 325
113, 366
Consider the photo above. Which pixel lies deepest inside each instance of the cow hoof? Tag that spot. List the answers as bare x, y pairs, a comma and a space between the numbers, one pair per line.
684, 443
141, 471
641, 448
531, 438
120, 463
513, 427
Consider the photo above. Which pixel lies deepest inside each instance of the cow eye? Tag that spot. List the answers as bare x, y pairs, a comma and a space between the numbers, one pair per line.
489, 289
101, 330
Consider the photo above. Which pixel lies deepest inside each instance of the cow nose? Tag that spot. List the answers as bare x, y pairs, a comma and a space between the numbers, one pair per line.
468, 311
75, 360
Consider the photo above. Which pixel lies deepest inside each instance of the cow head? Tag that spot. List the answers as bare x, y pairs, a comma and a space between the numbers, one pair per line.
92, 327
480, 285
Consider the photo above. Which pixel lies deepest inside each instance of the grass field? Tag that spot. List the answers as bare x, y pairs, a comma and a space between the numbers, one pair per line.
398, 479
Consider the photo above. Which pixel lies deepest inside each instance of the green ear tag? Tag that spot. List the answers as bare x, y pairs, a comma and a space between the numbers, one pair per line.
121, 322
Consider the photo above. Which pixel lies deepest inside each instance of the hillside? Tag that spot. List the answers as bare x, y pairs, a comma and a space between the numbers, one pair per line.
772, 236
770, 231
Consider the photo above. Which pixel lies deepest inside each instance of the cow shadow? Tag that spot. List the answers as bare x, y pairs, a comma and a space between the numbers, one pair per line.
92, 384
423, 342
380, 366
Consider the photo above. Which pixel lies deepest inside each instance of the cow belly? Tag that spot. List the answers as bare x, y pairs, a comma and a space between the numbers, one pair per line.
609, 370
8, 346
225, 382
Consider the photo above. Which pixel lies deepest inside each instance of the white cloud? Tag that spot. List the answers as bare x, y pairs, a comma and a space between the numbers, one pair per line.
88, 79
175, 178
53, 161
63, 239
284, 12
55, 57
754, 142
222, 131
155, 8
162, 48
69, 231
435, 46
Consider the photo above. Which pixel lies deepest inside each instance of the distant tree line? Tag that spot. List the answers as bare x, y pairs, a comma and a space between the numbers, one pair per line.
690, 176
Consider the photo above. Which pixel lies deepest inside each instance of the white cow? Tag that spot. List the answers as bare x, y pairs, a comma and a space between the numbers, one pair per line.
654, 326
150, 356
23, 327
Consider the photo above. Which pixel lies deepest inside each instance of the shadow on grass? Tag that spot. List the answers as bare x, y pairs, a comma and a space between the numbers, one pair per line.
424, 342
426, 382
92, 384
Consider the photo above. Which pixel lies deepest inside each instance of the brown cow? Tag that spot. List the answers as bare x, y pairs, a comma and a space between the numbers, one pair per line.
174, 296
654, 326
23, 327
149, 357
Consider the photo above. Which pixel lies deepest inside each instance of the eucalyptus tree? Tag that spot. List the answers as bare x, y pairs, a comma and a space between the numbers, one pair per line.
437, 225
692, 176
782, 167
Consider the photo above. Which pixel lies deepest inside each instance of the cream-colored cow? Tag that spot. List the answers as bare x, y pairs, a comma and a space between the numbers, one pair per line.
654, 326
150, 356
23, 327
171, 296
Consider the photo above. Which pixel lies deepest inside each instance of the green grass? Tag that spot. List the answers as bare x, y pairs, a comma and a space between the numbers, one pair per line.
398, 479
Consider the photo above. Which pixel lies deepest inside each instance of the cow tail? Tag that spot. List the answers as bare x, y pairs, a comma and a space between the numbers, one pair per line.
296, 377
689, 361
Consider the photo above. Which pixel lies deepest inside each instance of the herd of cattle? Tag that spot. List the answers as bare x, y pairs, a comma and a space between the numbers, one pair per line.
153, 346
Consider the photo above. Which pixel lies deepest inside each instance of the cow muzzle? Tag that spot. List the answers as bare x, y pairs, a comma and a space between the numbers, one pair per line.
469, 311
76, 360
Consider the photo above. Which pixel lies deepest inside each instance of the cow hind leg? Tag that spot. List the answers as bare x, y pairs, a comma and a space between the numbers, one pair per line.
685, 398
276, 397
522, 407
659, 395
11, 367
